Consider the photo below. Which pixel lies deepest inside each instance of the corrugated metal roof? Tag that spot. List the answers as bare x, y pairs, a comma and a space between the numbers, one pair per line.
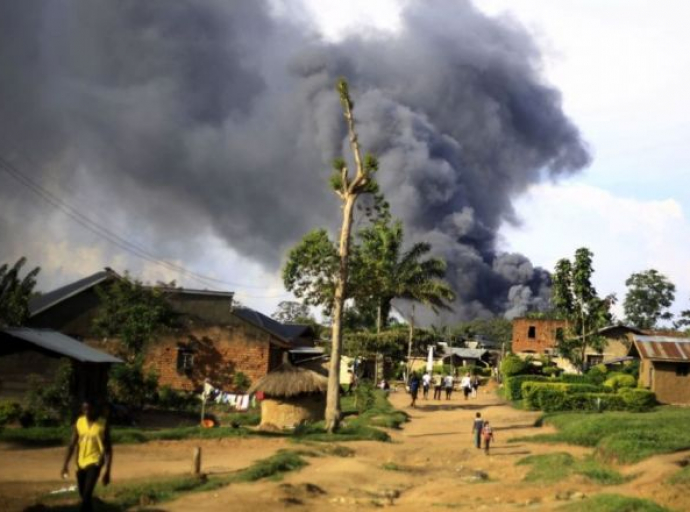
285, 332
663, 348
466, 353
47, 300
54, 341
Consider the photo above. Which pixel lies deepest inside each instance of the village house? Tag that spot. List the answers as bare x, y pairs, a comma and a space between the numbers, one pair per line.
213, 339
536, 336
33, 357
664, 366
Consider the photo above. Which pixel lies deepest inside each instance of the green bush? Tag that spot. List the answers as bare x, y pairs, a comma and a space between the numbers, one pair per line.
638, 400
241, 381
620, 380
531, 392
551, 371
9, 412
513, 385
365, 396
512, 365
50, 403
129, 385
572, 378
597, 374
171, 399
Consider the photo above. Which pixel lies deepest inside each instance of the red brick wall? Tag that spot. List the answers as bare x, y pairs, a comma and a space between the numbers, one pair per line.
544, 331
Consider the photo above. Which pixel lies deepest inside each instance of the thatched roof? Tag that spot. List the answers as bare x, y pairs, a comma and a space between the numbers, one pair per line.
289, 381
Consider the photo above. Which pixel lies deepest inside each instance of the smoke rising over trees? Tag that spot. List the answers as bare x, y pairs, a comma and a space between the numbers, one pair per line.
198, 119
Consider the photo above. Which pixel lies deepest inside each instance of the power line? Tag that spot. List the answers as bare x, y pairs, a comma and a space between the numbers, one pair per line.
113, 237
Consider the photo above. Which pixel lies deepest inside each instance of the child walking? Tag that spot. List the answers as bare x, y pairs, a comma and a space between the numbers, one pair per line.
477, 428
488, 435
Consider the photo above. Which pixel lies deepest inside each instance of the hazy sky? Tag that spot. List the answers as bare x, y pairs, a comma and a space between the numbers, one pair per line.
622, 68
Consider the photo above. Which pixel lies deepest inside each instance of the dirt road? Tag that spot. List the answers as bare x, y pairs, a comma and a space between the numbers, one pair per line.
430, 463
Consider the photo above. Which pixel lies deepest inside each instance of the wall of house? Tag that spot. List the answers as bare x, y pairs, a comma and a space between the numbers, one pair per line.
17, 367
669, 387
544, 338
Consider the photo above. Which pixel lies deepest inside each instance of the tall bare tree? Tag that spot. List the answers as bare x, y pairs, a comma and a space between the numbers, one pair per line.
348, 186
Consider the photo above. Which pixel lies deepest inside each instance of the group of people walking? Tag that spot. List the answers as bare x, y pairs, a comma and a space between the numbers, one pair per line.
441, 383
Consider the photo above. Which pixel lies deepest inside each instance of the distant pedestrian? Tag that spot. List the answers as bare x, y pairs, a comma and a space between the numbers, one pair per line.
475, 386
477, 428
488, 436
438, 386
448, 385
91, 439
466, 385
426, 382
414, 388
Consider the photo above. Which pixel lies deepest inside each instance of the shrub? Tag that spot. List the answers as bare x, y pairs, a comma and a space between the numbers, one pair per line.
169, 398
241, 381
513, 385
130, 386
638, 400
551, 371
597, 374
572, 378
513, 365
9, 412
532, 391
365, 396
620, 380
50, 403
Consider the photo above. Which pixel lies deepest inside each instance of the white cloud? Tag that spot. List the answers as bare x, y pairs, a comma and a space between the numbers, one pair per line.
626, 234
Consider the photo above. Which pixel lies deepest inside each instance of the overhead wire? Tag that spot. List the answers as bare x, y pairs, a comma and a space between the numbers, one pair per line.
115, 239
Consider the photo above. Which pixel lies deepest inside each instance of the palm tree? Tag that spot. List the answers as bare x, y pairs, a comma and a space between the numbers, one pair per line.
385, 272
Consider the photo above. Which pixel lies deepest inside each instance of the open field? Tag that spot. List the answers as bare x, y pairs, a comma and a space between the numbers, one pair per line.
430, 463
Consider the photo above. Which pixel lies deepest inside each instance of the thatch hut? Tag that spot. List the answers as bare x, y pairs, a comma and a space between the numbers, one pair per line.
292, 395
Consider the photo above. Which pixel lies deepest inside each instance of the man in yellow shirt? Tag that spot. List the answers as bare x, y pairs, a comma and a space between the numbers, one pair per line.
91, 438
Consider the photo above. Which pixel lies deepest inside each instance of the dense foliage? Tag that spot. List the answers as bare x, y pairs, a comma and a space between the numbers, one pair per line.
649, 296
15, 293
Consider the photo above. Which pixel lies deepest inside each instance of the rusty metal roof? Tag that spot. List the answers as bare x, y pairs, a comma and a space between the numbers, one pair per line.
663, 348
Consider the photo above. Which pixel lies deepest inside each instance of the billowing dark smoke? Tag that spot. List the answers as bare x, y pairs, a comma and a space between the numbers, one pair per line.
189, 118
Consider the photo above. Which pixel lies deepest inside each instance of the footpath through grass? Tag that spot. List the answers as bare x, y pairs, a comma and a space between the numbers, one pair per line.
120, 497
624, 437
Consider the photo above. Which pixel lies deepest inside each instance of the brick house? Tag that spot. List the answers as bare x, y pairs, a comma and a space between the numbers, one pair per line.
664, 366
212, 339
536, 336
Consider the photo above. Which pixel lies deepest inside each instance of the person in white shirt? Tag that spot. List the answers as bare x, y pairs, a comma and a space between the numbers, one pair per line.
426, 383
448, 385
466, 385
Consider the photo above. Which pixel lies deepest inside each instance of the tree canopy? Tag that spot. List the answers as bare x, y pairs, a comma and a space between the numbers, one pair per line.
649, 296
15, 293
292, 312
575, 299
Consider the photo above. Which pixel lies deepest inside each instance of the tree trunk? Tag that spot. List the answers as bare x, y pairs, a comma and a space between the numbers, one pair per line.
409, 344
333, 394
378, 363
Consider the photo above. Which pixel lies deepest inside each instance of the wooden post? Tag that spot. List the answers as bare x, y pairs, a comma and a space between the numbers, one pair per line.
196, 461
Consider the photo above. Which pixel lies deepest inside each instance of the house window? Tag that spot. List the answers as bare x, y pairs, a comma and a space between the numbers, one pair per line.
532, 332
682, 369
185, 361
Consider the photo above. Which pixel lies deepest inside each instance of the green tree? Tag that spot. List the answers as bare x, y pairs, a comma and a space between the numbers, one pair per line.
292, 312
133, 313
649, 296
15, 293
575, 299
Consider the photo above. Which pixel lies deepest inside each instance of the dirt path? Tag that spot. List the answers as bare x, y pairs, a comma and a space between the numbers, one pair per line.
430, 463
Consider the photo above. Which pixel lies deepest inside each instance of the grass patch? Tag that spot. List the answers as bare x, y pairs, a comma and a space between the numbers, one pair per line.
58, 436
122, 497
554, 467
614, 503
625, 437
682, 477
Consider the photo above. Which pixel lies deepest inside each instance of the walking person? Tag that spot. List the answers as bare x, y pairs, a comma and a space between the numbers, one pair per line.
438, 385
477, 427
488, 436
466, 385
426, 382
475, 386
414, 389
91, 439
448, 385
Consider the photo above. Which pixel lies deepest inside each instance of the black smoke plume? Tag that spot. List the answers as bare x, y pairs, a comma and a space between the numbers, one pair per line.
183, 120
